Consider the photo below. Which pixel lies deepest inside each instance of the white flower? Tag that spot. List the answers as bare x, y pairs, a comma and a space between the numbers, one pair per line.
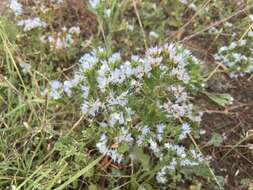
193, 6
102, 83
94, 3
59, 44
116, 118
175, 110
85, 91
148, 65
118, 100
183, 1
160, 131
74, 30
125, 136
130, 27
170, 48
25, 67
88, 61
161, 176
32, 23
85, 107
181, 74
144, 132
223, 48
185, 130
154, 34
154, 60
55, 95
16, 7
104, 69
115, 57
67, 85
103, 149
95, 107
179, 92
135, 58
107, 12
228, 24
63, 39
172, 165
187, 162
155, 148
232, 45
250, 33
117, 76
152, 51
116, 157
179, 150
101, 145
251, 17
196, 156
56, 86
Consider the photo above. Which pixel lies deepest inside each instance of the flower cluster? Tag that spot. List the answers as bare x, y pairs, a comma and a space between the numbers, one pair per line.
142, 102
63, 39
94, 3
16, 7
31, 23
182, 159
238, 56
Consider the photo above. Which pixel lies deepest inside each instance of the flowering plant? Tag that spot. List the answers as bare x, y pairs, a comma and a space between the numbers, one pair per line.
48, 34
237, 56
142, 104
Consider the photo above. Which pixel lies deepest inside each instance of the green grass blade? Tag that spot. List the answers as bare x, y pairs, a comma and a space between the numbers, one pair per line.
30, 177
78, 174
51, 184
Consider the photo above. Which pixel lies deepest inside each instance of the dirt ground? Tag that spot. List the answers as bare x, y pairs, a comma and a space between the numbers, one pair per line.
233, 159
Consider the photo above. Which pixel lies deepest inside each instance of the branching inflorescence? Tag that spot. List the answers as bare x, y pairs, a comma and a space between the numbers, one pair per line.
142, 103
63, 39
238, 56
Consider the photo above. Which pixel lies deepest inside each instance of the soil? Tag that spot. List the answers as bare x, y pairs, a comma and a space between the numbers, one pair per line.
234, 163
233, 123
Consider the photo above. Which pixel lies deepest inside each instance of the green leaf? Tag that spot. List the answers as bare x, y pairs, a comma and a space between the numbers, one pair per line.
92, 187
220, 99
196, 186
147, 186
140, 156
216, 140
123, 148
221, 180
